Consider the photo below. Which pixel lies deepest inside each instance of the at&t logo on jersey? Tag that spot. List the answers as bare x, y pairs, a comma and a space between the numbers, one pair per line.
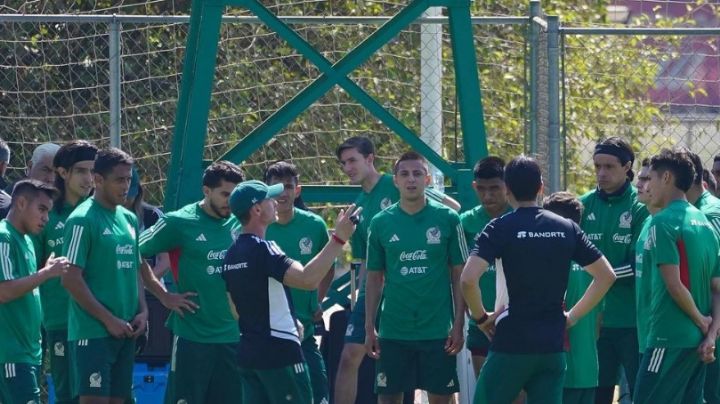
305, 246
433, 235
404, 271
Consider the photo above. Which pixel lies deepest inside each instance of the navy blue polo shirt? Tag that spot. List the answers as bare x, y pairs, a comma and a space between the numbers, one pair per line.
537, 248
253, 271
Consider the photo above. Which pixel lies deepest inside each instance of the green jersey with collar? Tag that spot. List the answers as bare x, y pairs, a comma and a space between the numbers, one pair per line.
103, 243
613, 222
473, 222
301, 239
582, 358
415, 252
54, 297
20, 318
644, 268
680, 235
197, 244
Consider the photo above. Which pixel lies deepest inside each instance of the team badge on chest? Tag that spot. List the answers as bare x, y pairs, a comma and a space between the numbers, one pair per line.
433, 235
625, 220
305, 246
385, 203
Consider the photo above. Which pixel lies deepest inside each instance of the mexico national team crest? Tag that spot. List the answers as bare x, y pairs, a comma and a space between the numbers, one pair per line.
305, 246
385, 203
433, 235
235, 233
625, 220
59, 349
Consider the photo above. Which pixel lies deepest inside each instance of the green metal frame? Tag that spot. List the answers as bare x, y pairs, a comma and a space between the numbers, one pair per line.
198, 71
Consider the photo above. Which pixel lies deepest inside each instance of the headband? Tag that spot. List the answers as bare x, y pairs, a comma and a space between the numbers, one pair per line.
621, 153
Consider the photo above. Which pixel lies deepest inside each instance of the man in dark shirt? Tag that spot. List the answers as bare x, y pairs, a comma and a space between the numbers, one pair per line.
536, 248
258, 274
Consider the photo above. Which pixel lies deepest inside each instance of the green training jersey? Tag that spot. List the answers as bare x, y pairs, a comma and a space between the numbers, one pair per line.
644, 267
301, 239
415, 252
680, 235
710, 207
582, 359
473, 222
197, 243
20, 318
613, 222
54, 297
103, 243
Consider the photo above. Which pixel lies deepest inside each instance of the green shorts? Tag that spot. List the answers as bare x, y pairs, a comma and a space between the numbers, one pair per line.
19, 383
617, 347
670, 376
408, 365
355, 331
60, 369
202, 373
102, 367
578, 396
290, 384
318, 372
477, 343
711, 392
504, 375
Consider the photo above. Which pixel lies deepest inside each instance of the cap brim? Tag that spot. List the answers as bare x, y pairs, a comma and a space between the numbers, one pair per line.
274, 191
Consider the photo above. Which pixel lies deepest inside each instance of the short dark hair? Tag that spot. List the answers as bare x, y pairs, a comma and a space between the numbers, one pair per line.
565, 204
645, 162
488, 168
624, 147
281, 169
107, 159
697, 166
523, 178
716, 158
362, 144
222, 170
709, 180
408, 156
678, 163
29, 189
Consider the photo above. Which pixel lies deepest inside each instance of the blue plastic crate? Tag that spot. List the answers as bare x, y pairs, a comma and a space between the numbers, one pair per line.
149, 383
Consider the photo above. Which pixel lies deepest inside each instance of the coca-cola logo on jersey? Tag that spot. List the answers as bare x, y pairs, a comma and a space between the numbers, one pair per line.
216, 255
413, 256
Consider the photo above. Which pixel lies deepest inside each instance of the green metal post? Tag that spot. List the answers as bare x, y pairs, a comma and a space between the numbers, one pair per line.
467, 82
305, 98
553, 52
373, 106
186, 164
535, 11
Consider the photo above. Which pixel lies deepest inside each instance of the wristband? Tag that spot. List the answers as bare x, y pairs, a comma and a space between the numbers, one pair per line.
338, 239
482, 319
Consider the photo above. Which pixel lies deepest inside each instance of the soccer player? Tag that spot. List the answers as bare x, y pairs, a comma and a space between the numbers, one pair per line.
416, 249
490, 189
258, 276
74, 181
20, 312
357, 159
107, 311
203, 368
684, 254
301, 235
536, 248
581, 374
709, 205
612, 221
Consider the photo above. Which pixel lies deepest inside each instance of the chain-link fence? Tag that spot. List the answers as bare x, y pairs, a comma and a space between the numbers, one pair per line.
656, 88
56, 83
